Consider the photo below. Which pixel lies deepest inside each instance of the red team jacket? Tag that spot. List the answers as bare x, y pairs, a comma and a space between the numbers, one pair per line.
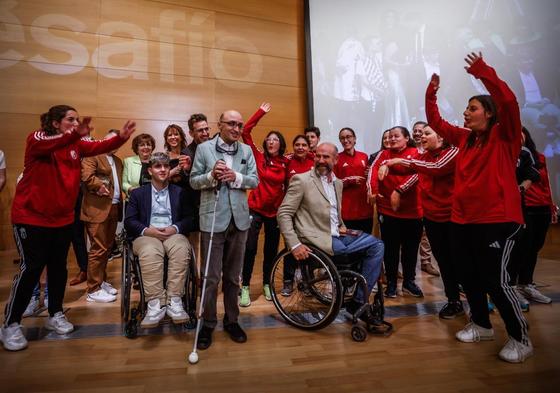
486, 190
354, 196
46, 194
267, 197
539, 193
399, 178
436, 174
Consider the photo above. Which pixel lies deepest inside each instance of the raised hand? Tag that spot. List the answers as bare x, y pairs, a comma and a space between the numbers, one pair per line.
128, 129
266, 107
433, 86
472, 58
84, 128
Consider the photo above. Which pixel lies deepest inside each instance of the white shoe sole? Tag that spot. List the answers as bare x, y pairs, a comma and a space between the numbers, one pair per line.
53, 329
92, 300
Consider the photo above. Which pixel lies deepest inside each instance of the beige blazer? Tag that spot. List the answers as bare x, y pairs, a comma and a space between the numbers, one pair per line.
96, 208
304, 215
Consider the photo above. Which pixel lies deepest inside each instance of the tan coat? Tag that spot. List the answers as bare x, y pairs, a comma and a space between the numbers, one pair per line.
304, 215
95, 208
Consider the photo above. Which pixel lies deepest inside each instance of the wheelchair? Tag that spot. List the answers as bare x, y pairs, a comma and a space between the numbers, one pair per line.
132, 312
322, 285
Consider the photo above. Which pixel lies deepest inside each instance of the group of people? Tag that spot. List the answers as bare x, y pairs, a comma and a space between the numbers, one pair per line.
458, 184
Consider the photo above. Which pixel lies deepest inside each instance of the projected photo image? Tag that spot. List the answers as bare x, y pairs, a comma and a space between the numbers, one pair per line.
372, 60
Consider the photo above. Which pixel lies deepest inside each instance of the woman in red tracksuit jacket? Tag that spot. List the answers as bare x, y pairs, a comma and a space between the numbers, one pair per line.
436, 174
264, 202
539, 211
43, 213
301, 160
486, 210
351, 168
399, 212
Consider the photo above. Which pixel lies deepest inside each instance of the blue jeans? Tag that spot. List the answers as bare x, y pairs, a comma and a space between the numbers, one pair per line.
371, 266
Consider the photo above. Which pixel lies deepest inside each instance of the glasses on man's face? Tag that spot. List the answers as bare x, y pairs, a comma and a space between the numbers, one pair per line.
203, 129
233, 124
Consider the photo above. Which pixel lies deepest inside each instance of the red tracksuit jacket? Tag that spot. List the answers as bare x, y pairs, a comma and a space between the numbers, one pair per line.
267, 197
47, 192
539, 193
354, 196
486, 189
399, 178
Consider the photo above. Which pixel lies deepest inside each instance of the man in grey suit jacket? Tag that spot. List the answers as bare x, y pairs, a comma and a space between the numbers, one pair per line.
310, 213
228, 165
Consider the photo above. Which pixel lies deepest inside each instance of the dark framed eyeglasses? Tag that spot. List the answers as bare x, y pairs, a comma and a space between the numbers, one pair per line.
233, 124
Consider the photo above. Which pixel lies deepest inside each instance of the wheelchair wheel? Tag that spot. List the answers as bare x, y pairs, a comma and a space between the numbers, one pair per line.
191, 293
317, 292
126, 284
359, 333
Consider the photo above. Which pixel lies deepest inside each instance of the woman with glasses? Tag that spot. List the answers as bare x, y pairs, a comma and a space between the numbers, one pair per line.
175, 147
135, 168
264, 202
351, 168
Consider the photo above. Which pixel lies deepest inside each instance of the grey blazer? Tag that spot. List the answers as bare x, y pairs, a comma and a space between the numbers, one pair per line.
232, 202
304, 215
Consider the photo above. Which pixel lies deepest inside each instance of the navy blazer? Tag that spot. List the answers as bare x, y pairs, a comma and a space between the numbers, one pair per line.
139, 210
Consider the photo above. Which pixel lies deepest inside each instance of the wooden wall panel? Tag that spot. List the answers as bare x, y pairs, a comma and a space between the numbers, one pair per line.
154, 61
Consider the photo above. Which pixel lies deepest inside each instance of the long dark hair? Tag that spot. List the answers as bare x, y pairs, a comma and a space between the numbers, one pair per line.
282, 149
177, 128
489, 106
530, 144
55, 113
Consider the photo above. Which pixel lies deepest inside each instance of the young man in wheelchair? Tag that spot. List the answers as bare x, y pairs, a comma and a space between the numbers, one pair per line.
310, 213
158, 218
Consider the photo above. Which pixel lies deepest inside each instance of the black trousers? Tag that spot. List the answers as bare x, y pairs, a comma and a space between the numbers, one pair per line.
526, 250
365, 225
401, 237
79, 236
271, 241
483, 253
439, 235
39, 247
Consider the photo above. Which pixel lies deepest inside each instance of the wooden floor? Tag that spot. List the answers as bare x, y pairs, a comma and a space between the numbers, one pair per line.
421, 356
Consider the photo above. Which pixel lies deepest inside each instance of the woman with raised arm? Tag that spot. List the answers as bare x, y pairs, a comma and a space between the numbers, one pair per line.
43, 213
436, 175
486, 211
264, 202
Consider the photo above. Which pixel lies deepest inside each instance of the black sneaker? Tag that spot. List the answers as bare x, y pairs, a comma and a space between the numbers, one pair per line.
288, 288
452, 310
391, 290
204, 338
412, 289
235, 332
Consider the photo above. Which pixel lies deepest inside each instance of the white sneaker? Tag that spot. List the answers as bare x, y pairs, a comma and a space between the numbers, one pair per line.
109, 288
32, 307
532, 293
154, 314
516, 352
523, 302
59, 323
100, 296
12, 337
176, 311
472, 333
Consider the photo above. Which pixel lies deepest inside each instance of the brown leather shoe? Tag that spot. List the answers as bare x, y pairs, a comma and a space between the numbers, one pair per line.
430, 269
80, 278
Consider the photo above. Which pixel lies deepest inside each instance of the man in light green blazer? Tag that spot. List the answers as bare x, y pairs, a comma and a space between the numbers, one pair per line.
228, 165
